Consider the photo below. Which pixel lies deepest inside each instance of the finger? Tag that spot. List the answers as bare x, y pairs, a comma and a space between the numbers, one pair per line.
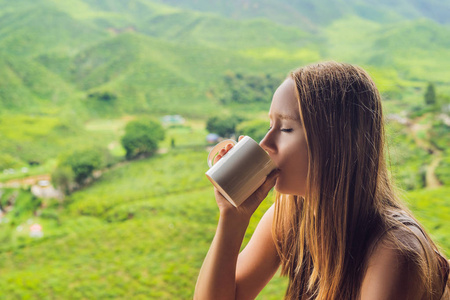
261, 193
222, 202
241, 137
269, 182
216, 159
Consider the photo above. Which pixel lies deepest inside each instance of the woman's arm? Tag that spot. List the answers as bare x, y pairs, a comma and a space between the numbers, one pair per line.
223, 275
259, 261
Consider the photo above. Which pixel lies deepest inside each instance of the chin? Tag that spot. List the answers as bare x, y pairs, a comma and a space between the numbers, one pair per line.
282, 189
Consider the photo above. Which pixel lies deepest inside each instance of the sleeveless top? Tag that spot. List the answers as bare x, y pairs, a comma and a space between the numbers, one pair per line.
443, 264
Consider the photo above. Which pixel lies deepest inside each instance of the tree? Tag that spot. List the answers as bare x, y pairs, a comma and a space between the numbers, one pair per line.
430, 94
223, 126
103, 96
255, 129
8, 161
63, 177
250, 89
83, 163
142, 137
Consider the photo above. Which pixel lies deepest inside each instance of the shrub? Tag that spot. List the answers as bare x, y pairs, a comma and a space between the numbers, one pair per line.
50, 214
430, 94
62, 177
8, 161
23, 202
256, 129
248, 88
225, 126
142, 137
443, 170
82, 163
439, 134
103, 96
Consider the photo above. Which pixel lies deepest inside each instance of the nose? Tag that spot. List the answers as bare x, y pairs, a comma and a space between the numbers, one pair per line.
267, 143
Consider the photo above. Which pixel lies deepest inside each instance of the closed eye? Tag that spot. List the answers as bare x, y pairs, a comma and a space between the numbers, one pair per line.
282, 129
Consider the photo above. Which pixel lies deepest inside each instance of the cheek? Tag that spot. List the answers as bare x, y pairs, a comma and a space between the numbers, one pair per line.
294, 169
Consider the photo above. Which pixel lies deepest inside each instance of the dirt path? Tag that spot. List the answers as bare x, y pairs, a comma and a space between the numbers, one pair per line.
25, 181
431, 180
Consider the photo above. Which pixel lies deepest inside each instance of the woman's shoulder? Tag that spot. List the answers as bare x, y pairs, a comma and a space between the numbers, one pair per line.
404, 235
404, 259
391, 271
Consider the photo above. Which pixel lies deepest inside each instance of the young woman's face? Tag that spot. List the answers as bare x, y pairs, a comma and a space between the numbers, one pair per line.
286, 142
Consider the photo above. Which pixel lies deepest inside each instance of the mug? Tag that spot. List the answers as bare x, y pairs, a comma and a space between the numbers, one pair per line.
241, 171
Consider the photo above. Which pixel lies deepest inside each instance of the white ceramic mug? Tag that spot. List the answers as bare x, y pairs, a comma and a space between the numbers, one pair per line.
241, 171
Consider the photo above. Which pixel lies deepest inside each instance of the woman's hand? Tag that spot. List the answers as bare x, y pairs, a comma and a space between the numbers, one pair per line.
248, 207
218, 276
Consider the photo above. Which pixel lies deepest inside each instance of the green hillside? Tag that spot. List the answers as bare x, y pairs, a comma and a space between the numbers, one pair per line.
74, 73
141, 231
152, 57
314, 14
149, 64
39, 28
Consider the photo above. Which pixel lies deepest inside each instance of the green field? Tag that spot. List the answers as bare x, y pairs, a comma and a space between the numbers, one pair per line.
141, 231
74, 73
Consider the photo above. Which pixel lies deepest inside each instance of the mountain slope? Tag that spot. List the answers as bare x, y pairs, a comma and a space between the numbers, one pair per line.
313, 14
151, 57
36, 29
417, 49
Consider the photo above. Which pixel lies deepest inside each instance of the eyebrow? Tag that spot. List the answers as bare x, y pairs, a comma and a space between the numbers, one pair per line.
286, 117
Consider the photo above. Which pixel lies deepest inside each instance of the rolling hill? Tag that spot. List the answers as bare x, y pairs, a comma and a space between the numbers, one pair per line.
313, 15
161, 59
73, 73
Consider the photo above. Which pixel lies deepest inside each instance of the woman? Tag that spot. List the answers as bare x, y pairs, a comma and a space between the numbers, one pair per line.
337, 228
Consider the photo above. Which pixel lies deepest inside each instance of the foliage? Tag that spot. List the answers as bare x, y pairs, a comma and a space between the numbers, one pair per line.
148, 238
430, 94
406, 159
34, 140
143, 229
246, 89
63, 177
8, 161
173, 173
320, 12
103, 96
23, 201
419, 111
82, 163
224, 126
256, 129
432, 208
443, 170
142, 137
439, 134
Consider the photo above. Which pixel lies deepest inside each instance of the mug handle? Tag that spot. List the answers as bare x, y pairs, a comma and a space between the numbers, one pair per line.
216, 149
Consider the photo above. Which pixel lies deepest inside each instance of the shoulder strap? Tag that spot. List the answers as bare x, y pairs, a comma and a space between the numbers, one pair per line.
444, 267
443, 264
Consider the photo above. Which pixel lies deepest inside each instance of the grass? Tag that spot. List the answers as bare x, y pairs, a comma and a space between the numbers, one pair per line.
146, 241
142, 230
142, 238
432, 208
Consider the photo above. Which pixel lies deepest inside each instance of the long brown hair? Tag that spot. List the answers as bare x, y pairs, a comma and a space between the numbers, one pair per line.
323, 238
